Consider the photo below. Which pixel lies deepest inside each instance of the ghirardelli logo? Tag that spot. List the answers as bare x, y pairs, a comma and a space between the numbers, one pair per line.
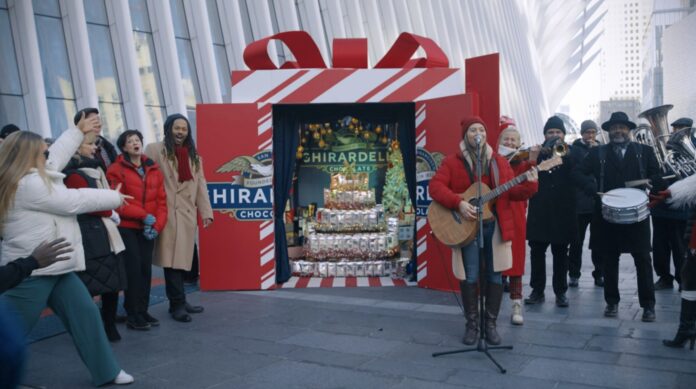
426, 165
248, 195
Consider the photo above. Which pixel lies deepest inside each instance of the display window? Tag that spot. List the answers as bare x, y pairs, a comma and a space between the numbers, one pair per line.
349, 212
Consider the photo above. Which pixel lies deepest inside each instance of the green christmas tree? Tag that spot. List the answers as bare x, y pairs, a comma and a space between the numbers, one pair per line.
395, 198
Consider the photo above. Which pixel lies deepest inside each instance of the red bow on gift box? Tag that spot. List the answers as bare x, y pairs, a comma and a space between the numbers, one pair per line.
347, 53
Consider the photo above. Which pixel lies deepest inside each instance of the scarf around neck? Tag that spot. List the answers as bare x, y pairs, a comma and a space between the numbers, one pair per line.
183, 164
468, 153
115, 240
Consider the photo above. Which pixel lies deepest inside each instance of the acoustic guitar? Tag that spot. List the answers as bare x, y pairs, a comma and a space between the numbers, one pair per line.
451, 228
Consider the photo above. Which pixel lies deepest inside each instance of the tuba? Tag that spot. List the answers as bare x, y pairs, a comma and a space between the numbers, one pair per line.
681, 141
671, 150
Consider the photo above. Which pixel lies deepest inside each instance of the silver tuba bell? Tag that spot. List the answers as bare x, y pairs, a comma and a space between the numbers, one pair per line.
682, 141
672, 151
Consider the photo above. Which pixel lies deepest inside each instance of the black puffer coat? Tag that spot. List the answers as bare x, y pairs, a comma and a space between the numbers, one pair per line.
105, 271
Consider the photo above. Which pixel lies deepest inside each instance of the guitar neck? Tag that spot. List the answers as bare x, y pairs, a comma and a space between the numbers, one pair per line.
503, 188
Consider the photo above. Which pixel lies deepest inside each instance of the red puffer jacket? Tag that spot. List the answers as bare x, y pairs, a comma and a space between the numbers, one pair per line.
452, 178
518, 206
148, 192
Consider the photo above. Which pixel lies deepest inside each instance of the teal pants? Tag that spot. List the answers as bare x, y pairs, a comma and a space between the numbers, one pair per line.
68, 297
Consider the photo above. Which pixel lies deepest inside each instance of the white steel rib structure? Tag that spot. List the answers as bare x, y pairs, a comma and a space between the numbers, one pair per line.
140, 60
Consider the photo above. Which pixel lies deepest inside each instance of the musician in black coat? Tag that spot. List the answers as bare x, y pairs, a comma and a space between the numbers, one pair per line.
551, 220
623, 161
585, 210
669, 227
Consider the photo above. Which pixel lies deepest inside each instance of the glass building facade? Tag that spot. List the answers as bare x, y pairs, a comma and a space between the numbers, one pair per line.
141, 60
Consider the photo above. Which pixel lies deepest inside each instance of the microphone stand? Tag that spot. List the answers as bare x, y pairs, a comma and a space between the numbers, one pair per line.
482, 345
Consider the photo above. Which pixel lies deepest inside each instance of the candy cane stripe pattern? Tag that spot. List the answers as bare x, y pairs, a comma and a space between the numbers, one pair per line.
345, 85
343, 282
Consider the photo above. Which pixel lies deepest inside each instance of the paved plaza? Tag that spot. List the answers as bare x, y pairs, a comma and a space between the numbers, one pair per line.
384, 338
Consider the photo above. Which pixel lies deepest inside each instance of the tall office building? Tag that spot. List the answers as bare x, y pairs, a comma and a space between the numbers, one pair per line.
620, 61
664, 14
679, 51
630, 106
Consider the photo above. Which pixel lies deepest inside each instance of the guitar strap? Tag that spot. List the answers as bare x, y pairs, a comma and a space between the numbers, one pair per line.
468, 170
496, 172
494, 169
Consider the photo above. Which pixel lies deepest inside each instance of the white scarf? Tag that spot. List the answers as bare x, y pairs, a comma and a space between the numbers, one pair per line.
507, 152
115, 240
488, 155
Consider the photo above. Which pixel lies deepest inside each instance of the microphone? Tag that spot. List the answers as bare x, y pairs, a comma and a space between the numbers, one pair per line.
477, 138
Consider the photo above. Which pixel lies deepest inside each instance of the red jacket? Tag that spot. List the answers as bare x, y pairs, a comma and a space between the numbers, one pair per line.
452, 178
76, 181
148, 192
518, 206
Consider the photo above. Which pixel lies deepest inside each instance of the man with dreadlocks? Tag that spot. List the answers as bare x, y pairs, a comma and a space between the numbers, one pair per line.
187, 196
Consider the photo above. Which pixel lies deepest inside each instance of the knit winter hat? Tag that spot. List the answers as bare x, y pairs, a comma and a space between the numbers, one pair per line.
468, 121
505, 126
588, 125
554, 122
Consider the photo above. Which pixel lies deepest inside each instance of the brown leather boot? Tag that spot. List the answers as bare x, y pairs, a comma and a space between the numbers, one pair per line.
494, 295
470, 302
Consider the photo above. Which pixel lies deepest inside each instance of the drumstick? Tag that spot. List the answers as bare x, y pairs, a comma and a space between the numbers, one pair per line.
608, 194
635, 183
646, 181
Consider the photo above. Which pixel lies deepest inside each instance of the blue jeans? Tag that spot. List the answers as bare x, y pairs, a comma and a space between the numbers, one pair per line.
12, 348
470, 254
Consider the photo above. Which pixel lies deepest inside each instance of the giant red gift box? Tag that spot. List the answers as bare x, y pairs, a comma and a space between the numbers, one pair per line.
237, 251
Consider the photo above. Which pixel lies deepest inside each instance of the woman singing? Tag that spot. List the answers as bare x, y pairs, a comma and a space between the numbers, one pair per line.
456, 174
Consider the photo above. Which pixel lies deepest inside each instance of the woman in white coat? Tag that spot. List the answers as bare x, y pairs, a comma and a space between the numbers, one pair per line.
35, 206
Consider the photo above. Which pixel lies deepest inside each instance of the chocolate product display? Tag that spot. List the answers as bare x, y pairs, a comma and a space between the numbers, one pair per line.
334, 220
344, 268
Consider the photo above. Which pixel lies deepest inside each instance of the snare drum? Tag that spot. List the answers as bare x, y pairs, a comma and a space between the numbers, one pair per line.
625, 206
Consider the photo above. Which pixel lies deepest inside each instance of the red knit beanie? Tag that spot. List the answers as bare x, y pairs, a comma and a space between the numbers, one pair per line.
468, 121
503, 126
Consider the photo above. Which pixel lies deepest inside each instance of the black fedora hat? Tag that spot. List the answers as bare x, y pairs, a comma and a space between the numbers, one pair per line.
682, 122
618, 118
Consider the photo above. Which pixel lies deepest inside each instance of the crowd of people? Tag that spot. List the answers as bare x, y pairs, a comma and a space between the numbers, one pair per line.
84, 218
563, 202
79, 220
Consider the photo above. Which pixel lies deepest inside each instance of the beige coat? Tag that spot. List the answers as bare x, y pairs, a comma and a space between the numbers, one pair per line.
174, 246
